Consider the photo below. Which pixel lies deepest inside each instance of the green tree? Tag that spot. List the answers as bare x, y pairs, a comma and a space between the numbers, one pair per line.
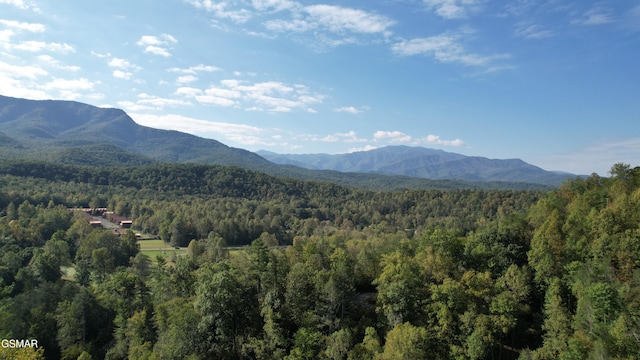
216, 247
369, 348
556, 324
547, 252
83, 325
406, 342
129, 246
307, 344
46, 266
221, 305
400, 290
338, 345
178, 338
300, 295
102, 263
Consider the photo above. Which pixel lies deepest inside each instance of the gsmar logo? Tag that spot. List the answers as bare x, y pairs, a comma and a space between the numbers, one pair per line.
19, 343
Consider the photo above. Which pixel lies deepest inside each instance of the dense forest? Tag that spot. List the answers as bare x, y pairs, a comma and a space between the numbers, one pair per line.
328, 272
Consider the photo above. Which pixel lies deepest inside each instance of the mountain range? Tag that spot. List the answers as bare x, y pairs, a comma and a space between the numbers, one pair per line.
81, 134
422, 163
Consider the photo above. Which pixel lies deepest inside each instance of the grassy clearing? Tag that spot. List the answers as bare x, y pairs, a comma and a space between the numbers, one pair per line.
153, 244
68, 273
233, 252
166, 253
153, 248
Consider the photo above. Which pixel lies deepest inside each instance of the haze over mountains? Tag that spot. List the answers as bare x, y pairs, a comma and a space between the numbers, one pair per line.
422, 163
75, 133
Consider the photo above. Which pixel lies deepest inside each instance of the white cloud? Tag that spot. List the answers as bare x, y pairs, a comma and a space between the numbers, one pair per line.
20, 88
195, 69
238, 133
159, 102
131, 106
436, 140
400, 137
214, 100
51, 62
99, 55
220, 9
211, 96
72, 89
270, 96
274, 5
13, 71
156, 50
122, 64
169, 38
454, 9
120, 74
22, 81
261, 88
157, 45
338, 19
364, 148
33, 27
147, 40
351, 109
295, 25
187, 91
332, 25
66, 84
393, 136
21, 4
5, 35
445, 48
36, 46
186, 79
595, 16
532, 31
350, 136
225, 93
124, 69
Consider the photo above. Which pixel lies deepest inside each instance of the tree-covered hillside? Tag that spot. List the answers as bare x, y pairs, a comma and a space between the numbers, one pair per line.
47, 126
464, 274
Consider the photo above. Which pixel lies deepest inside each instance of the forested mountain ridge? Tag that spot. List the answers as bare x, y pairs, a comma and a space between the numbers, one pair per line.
423, 163
43, 125
6, 141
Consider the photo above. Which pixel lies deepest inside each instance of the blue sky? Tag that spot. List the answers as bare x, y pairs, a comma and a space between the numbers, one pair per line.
555, 83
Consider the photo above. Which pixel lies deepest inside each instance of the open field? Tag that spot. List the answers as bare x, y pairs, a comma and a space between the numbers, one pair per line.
153, 244
166, 253
153, 248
